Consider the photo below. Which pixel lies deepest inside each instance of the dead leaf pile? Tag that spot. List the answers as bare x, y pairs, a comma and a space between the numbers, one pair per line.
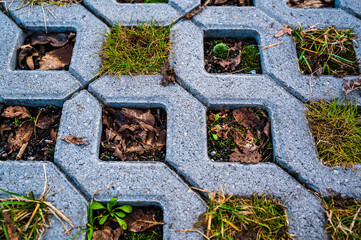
133, 134
139, 220
43, 51
240, 135
21, 132
311, 3
349, 86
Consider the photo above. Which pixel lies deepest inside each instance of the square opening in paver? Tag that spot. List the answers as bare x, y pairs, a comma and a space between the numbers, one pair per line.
232, 55
28, 133
311, 3
343, 217
239, 3
328, 51
114, 221
235, 217
131, 134
336, 129
136, 50
240, 135
142, 1
46, 51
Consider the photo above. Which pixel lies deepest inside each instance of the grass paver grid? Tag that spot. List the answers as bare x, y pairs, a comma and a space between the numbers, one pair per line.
80, 92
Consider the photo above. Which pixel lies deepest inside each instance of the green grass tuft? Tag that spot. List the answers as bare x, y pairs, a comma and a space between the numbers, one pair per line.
258, 217
136, 50
147, 235
336, 129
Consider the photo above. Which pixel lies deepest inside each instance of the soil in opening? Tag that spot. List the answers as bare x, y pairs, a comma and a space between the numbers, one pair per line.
142, 1
133, 134
311, 3
28, 133
240, 135
143, 223
240, 3
327, 51
232, 55
46, 51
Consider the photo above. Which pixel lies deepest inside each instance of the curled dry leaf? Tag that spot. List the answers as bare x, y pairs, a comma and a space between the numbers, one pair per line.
16, 112
141, 219
73, 139
22, 135
107, 233
284, 30
54, 39
349, 86
57, 59
45, 121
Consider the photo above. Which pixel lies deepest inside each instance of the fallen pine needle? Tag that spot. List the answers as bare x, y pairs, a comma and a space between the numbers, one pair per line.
272, 45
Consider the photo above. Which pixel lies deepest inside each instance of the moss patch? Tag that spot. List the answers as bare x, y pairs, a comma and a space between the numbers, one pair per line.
336, 130
135, 50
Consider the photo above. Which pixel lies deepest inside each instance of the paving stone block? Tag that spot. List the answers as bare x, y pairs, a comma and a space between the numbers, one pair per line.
187, 145
286, 71
90, 33
136, 183
137, 13
21, 177
351, 6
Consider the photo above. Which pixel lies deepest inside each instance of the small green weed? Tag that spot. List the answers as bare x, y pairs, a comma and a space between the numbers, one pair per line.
220, 50
336, 129
258, 217
16, 121
326, 51
343, 218
136, 50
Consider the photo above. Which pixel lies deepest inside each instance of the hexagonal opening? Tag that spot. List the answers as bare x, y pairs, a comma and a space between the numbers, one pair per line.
142, 222
239, 134
28, 133
311, 3
335, 128
232, 52
142, 1
243, 217
327, 51
45, 49
133, 134
238, 3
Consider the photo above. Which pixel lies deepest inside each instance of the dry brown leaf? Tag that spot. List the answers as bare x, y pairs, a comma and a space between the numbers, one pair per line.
138, 115
220, 1
53, 135
23, 52
3, 128
16, 112
54, 39
22, 135
44, 121
57, 59
283, 31
73, 139
349, 86
10, 226
108, 234
140, 220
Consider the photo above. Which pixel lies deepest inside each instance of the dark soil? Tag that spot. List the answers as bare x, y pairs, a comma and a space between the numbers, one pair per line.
246, 139
243, 49
240, 3
132, 138
42, 145
46, 51
153, 233
311, 3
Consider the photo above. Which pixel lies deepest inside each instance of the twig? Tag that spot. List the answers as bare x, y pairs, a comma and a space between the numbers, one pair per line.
272, 45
